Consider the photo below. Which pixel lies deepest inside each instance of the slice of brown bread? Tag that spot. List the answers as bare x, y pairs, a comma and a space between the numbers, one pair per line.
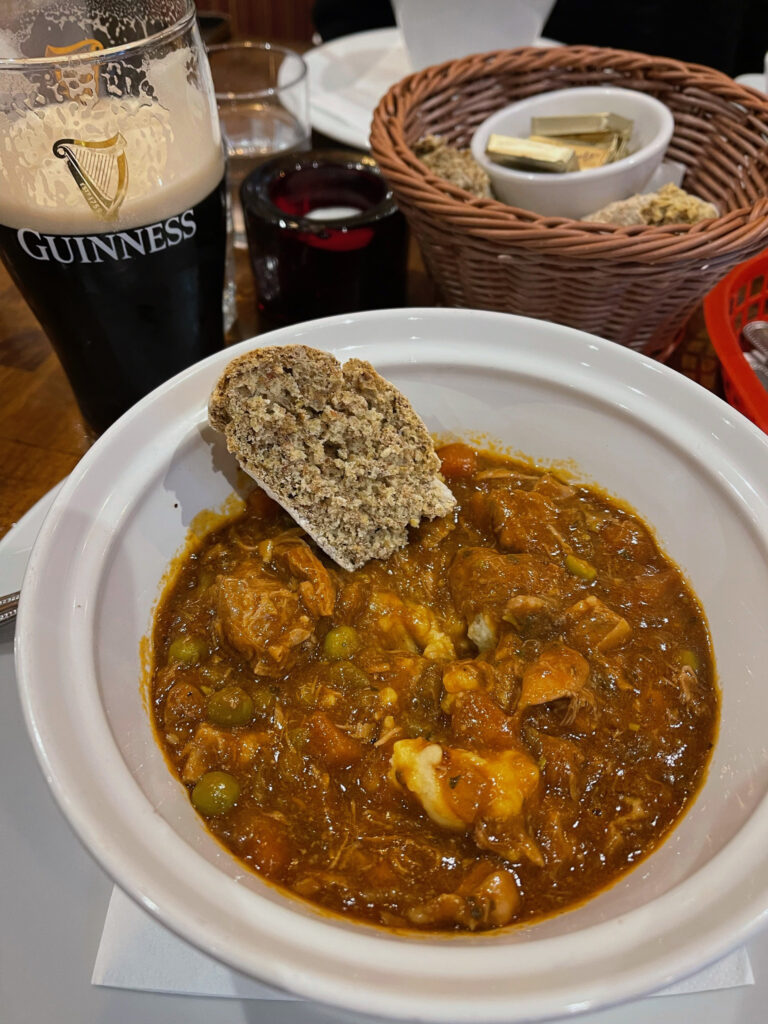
335, 444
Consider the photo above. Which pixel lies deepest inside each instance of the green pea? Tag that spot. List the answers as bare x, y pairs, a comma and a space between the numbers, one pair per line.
349, 676
579, 567
340, 643
229, 706
189, 650
215, 793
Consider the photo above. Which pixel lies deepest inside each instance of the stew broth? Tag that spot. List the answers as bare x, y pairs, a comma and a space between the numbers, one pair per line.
489, 727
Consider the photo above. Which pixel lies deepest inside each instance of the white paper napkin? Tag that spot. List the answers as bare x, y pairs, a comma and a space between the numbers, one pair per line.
136, 952
348, 90
438, 30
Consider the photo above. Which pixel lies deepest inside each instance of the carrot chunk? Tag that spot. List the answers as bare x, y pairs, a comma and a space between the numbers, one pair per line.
457, 460
329, 744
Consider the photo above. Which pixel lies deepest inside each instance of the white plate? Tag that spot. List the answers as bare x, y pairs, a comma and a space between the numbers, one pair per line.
16, 545
753, 81
348, 76
693, 467
134, 966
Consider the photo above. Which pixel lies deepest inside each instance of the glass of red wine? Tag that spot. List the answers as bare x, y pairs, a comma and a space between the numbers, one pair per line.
324, 236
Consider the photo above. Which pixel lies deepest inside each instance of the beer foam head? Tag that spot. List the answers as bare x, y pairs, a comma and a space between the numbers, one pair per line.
113, 22
9, 46
90, 146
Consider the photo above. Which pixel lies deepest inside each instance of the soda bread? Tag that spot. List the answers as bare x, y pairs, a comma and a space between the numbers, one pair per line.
335, 444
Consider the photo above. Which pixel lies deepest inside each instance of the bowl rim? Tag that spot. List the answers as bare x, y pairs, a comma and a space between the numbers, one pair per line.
373, 970
558, 179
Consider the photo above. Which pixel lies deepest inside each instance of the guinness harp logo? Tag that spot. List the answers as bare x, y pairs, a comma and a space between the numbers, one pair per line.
81, 81
100, 170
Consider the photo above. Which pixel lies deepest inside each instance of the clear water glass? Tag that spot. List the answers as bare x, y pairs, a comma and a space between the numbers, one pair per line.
262, 96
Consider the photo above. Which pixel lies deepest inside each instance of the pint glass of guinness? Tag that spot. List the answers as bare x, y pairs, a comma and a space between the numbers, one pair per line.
112, 194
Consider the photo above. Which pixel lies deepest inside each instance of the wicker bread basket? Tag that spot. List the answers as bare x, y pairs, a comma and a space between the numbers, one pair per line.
636, 285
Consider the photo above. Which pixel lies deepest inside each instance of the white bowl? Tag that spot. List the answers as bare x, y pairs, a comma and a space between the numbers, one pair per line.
692, 466
577, 193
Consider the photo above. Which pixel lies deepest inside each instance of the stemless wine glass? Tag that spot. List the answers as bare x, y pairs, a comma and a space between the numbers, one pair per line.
112, 194
325, 236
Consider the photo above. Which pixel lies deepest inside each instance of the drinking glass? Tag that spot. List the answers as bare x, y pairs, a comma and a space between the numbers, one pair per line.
112, 195
324, 235
261, 91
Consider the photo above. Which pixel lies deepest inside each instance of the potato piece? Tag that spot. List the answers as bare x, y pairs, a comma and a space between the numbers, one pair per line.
457, 787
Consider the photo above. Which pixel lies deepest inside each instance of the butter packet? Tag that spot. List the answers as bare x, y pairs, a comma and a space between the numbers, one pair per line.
587, 156
581, 124
528, 155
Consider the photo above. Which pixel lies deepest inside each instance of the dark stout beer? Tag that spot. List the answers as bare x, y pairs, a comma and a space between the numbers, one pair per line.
125, 310
112, 207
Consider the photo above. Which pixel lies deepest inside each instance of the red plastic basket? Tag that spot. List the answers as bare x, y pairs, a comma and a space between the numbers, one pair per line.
740, 297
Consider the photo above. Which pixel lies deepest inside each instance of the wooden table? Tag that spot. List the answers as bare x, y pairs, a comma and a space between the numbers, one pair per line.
42, 434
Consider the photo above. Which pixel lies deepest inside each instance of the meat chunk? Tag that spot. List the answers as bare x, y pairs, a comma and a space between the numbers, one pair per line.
524, 521
491, 903
263, 619
626, 537
458, 787
478, 722
431, 532
211, 747
558, 672
593, 626
524, 611
267, 618
508, 839
553, 489
483, 580
316, 587
184, 706
563, 764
